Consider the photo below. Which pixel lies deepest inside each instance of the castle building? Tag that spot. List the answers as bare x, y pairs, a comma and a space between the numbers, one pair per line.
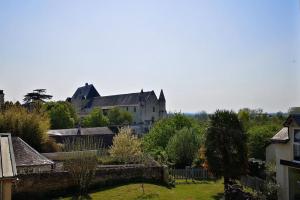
144, 107
1, 98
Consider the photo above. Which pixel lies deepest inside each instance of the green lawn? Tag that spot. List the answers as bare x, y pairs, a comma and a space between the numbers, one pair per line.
183, 191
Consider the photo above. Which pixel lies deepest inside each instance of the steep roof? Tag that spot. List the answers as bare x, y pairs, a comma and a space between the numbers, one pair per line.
83, 131
25, 155
86, 92
7, 157
162, 96
282, 136
121, 100
292, 118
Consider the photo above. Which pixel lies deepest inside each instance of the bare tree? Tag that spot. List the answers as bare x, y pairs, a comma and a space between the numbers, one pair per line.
82, 160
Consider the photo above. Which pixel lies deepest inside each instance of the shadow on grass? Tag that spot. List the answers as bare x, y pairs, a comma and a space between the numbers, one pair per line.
219, 196
85, 197
147, 196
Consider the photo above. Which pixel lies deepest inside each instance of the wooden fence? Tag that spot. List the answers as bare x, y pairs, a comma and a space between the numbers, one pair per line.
190, 173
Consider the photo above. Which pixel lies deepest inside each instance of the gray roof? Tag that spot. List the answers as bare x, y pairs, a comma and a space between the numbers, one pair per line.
121, 100
7, 159
292, 118
282, 136
25, 155
85, 92
83, 131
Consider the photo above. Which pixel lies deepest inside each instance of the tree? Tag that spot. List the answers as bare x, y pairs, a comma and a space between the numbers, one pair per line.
258, 138
37, 95
82, 159
182, 148
226, 150
95, 119
126, 147
160, 134
117, 116
62, 114
32, 127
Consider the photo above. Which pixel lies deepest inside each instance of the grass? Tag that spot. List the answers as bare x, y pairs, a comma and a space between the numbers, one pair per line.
206, 190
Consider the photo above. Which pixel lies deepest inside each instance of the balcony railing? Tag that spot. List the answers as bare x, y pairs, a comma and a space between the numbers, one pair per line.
297, 152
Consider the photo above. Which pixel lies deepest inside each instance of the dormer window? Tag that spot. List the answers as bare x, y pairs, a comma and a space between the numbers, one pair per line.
153, 109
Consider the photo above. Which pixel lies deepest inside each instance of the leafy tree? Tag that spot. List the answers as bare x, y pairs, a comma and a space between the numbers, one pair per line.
160, 134
95, 119
37, 95
258, 138
62, 114
117, 116
182, 148
126, 146
32, 127
226, 149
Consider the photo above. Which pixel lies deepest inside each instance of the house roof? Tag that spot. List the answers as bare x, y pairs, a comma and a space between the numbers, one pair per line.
83, 131
292, 118
281, 137
85, 92
7, 160
121, 99
25, 155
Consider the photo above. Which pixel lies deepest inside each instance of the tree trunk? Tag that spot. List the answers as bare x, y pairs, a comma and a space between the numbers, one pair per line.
226, 184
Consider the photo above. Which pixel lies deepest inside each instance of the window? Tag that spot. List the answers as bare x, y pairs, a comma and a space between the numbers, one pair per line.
134, 109
153, 109
297, 145
127, 108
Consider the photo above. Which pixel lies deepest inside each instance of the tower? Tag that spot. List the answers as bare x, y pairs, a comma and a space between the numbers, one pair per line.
162, 105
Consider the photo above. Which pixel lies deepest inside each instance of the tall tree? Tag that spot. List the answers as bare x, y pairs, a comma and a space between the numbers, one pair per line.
95, 119
37, 95
117, 116
226, 150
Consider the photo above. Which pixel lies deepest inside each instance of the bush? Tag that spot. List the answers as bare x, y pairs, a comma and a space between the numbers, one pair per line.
183, 147
32, 127
117, 116
126, 147
95, 119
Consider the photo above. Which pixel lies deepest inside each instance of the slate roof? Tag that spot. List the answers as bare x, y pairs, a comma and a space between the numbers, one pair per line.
121, 100
292, 118
7, 159
282, 136
25, 155
83, 131
85, 92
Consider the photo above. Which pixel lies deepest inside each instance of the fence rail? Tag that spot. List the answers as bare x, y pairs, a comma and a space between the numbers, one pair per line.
190, 173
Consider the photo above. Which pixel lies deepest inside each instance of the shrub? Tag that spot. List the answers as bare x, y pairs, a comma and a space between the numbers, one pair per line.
95, 119
126, 147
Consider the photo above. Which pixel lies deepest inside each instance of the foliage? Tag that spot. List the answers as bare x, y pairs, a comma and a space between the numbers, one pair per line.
126, 147
163, 130
32, 127
62, 114
117, 116
226, 146
95, 119
182, 148
34, 99
82, 160
258, 138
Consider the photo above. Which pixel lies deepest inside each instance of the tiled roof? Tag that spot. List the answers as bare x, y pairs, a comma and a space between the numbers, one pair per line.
121, 100
282, 136
85, 92
25, 155
292, 118
7, 160
83, 131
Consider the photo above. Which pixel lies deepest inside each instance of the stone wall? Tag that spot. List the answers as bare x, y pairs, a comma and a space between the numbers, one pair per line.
61, 182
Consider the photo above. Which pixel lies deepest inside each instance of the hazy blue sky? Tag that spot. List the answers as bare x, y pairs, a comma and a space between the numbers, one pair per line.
204, 54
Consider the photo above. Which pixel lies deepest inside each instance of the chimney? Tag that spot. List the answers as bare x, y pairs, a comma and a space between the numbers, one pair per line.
86, 84
1, 98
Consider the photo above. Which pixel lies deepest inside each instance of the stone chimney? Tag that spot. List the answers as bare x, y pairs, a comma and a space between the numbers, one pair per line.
1, 98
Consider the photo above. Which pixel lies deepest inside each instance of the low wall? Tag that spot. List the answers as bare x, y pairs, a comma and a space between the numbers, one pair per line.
60, 182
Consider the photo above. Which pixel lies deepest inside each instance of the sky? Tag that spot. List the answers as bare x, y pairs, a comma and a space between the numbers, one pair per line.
205, 55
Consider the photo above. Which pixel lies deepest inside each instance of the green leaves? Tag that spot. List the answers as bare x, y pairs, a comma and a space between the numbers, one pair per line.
95, 119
